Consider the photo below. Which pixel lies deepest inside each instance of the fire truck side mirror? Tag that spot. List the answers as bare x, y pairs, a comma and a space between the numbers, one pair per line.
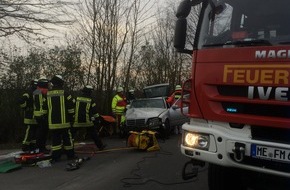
180, 36
180, 33
183, 9
196, 2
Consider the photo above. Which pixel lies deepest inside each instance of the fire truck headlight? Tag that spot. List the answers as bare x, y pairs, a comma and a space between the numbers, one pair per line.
195, 140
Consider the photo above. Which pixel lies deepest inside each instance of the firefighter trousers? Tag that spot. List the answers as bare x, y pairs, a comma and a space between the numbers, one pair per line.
92, 132
29, 140
41, 135
120, 119
62, 140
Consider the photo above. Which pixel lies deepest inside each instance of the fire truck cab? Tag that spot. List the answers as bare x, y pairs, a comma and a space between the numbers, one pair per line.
238, 101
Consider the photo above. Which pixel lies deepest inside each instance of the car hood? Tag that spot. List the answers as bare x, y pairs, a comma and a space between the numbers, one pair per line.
136, 113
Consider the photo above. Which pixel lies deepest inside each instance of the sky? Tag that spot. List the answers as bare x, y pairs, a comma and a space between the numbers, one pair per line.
58, 36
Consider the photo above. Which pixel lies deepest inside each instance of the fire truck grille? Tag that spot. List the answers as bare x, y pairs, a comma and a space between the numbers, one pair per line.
240, 94
279, 135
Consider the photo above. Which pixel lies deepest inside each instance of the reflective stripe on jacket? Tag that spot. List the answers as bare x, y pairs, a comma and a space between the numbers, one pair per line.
177, 94
118, 104
173, 97
85, 109
26, 103
39, 98
60, 109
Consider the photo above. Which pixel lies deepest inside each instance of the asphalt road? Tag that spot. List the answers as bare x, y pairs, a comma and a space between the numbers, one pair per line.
118, 169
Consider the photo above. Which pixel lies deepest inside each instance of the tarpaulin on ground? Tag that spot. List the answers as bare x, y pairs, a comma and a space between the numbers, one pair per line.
8, 165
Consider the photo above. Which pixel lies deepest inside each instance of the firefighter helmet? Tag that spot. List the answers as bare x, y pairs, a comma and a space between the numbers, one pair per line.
88, 89
43, 82
120, 89
33, 82
57, 80
177, 87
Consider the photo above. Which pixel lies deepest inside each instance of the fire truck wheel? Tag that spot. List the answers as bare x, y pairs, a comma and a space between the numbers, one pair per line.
222, 178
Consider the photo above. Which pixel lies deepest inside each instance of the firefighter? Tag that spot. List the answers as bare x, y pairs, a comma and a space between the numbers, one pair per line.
174, 96
131, 96
39, 95
26, 103
86, 116
172, 99
59, 106
118, 108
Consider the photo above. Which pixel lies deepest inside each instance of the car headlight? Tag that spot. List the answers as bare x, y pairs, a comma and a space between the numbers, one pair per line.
153, 122
196, 140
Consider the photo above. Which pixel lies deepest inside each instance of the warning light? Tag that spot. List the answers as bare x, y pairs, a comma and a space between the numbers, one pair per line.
232, 110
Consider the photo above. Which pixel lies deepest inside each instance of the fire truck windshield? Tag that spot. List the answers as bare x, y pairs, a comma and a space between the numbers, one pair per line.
235, 23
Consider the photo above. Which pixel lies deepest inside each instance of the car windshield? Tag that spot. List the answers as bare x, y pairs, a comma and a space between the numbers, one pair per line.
148, 103
233, 23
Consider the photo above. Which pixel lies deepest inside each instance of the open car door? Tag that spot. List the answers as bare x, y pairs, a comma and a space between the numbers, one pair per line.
158, 90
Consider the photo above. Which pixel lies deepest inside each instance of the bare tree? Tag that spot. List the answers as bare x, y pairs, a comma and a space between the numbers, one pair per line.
159, 61
139, 24
111, 32
28, 18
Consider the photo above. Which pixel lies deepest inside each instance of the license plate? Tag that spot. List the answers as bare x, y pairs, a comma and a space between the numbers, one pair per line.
270, 153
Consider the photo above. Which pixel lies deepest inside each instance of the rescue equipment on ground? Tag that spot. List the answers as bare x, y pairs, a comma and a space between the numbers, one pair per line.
144, 140
108, 118
76, 163
105, 127
8, 166
90, 148
31, 158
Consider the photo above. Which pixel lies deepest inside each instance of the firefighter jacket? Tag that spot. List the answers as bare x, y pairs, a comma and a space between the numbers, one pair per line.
173, 97
130, 98
26, 103
85, 109
39, 96
119, 104
177, 94
59, 107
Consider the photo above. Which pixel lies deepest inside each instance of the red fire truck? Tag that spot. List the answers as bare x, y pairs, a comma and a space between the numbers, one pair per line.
239, 97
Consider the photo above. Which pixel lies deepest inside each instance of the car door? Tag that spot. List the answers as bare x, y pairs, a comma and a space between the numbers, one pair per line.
175, 116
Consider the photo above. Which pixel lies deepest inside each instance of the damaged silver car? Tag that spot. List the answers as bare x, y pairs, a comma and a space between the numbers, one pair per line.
154, 114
